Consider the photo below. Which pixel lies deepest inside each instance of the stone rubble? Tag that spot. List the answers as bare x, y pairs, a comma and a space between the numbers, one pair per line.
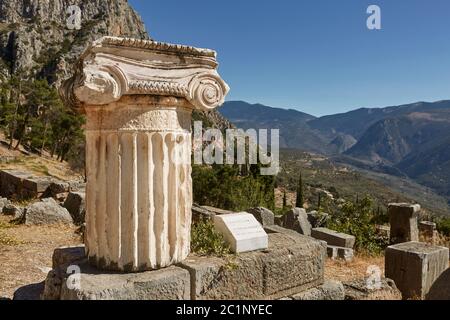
47, 211
296, 219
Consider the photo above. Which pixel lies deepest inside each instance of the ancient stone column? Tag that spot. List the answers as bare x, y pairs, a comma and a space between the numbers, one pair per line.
138, 97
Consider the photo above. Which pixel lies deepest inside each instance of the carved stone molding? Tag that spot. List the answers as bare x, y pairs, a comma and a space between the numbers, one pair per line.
115, 67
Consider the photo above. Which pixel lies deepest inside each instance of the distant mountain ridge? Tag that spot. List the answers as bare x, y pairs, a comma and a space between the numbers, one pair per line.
292, 124
409, 140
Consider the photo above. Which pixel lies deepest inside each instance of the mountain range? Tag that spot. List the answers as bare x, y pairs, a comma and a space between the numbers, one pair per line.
411, 140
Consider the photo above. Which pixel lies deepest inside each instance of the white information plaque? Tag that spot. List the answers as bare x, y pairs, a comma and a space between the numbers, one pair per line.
242, 231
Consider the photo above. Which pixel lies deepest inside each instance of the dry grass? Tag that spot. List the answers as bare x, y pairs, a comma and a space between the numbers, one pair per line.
357, 269
38, 165
27, 257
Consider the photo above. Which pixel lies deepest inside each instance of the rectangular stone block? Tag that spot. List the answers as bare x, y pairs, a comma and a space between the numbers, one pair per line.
22, 184
414, 266
427, 228
290, 265
242, 231
65, 256
345, 254
403, 220
333, 238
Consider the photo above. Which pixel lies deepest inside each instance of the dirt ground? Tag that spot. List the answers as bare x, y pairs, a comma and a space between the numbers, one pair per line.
26, 252
357, 269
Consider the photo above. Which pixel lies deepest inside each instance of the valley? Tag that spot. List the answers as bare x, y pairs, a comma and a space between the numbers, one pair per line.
405, 149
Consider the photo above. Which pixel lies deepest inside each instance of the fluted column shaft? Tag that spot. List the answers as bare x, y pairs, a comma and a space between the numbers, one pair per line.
139, 189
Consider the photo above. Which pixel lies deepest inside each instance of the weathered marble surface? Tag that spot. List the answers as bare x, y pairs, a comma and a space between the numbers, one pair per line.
138, 97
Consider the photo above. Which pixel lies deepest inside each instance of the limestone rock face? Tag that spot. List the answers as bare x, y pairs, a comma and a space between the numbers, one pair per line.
47, 211
36, 33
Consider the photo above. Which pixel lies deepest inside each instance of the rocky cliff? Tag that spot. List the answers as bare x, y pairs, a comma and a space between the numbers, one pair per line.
35, 39
36, 42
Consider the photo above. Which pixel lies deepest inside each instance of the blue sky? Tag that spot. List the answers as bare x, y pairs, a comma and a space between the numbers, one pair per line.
316, 56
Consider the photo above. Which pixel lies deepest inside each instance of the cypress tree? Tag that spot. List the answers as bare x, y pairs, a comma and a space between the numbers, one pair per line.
319, 202
299, 201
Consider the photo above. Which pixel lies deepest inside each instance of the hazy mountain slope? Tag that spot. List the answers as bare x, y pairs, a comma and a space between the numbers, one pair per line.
390, 140
346, 181
430, 167
294, 130
342, 143
411, 140
356, 122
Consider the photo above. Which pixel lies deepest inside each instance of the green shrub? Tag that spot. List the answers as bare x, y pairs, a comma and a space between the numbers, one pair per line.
227, 187
206, 241
443, 226
357, 219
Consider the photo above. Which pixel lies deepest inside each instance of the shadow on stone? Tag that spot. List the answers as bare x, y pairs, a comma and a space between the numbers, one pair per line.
29, 292
440, 290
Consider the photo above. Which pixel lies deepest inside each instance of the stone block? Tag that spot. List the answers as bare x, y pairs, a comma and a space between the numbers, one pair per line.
264, 216
330, 290
440, 290
64, 256
22, 185
291, 264
297, 219
278, 229
317, 219
345, 254
172, 283
333, 238
200, 213
37, 185
403, 220
76, 205
242, 231
427, 228
383, 231
415, 266
217, 211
